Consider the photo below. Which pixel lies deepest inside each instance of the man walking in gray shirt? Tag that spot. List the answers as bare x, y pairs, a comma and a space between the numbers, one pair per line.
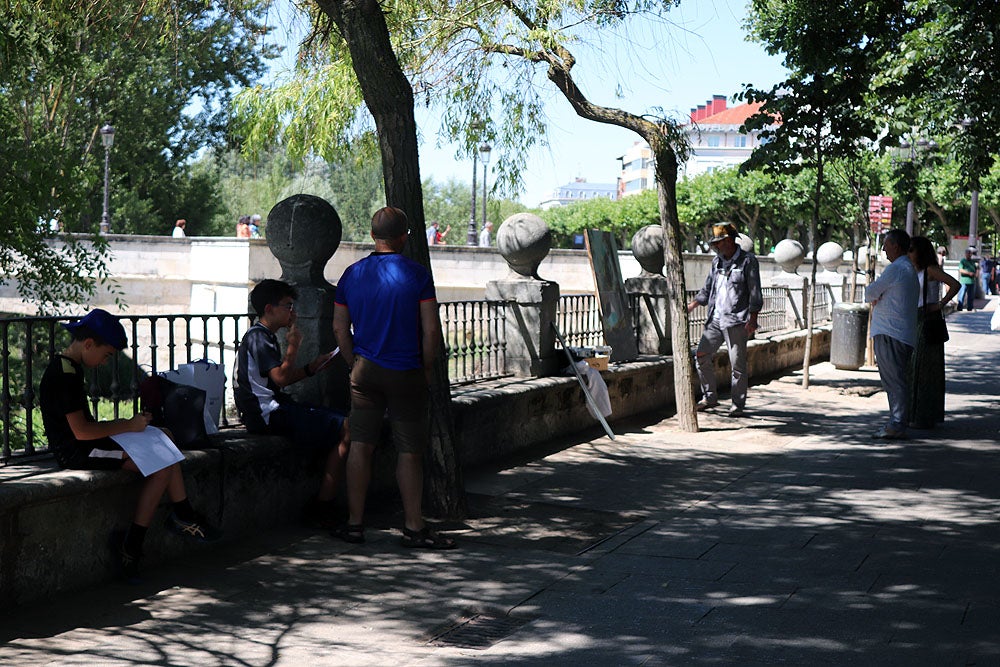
733, 296
894, 327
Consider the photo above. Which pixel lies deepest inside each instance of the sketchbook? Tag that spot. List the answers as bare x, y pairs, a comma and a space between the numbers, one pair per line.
151, 450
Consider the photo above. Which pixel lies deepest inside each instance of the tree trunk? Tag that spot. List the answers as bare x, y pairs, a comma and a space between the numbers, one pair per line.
658, 137
389, 97
673, 270
811, 296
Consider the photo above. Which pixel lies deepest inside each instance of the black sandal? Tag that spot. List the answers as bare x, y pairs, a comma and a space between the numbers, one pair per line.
351, 533
425, 538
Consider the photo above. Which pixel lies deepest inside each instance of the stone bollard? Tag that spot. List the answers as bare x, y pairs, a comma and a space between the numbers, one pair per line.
650, 287
303, 232
524, 241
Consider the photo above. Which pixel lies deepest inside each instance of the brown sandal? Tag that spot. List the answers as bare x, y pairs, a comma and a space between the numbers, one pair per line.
425, 538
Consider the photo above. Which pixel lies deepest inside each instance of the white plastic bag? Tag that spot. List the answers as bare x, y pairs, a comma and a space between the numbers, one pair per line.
208, 376
995, 320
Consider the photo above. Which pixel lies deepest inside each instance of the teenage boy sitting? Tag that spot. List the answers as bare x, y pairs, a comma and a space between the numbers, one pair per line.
262, 372
80, 442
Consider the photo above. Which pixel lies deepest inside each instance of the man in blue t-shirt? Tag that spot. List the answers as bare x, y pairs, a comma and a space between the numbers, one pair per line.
389, 301
261, 373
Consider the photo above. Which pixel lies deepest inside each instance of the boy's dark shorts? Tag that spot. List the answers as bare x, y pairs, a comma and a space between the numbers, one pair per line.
77, 456
375, 389
309, 426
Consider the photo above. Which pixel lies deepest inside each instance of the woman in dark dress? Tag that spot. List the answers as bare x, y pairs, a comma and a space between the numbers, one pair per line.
927, 364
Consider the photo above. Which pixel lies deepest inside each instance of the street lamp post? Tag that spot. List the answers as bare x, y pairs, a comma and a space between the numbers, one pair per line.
107, 139
912, 146
470, 237
484, 152
964, 126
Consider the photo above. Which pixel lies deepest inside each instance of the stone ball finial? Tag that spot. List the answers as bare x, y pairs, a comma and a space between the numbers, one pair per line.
303, 232
830, 255
524, 241
862, 252
788, 254
744, 242
647, 248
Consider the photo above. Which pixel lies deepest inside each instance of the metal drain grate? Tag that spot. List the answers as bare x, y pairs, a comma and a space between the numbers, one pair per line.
478, 632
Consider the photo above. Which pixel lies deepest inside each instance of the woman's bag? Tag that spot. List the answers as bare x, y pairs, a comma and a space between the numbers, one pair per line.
935, 329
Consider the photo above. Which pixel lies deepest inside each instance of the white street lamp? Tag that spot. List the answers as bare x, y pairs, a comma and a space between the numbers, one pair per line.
484, 153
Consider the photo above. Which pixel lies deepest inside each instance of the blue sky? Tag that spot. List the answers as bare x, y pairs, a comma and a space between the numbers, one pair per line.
701, 52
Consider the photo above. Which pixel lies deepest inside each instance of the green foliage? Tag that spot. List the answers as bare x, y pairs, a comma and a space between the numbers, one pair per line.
622, 218
946, 70
161, 72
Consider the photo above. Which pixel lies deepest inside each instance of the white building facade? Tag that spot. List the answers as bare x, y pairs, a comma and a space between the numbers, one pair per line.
716, 143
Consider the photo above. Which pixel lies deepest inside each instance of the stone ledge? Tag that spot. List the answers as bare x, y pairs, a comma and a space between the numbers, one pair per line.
54, 524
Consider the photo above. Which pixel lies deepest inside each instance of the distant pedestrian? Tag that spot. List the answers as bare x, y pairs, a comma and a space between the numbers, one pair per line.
967, 277
485, 236
243, 227
386, 323
733, 296
179, 229
986, 268
432, 233
894, 296
255, 226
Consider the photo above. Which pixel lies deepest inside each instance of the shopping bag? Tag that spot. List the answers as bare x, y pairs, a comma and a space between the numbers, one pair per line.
208, 376
995, 320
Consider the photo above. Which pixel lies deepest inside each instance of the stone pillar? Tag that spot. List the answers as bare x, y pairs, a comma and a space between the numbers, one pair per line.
524, 241
303, 232
650, 288
788, 254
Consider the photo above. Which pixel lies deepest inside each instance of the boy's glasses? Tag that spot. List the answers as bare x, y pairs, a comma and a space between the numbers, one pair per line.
287, 306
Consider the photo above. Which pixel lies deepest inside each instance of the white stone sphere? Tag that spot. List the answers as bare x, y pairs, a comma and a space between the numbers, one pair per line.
788, 254
830, 255
524, 240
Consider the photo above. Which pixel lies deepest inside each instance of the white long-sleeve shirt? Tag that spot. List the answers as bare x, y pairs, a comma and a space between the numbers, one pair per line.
894, 295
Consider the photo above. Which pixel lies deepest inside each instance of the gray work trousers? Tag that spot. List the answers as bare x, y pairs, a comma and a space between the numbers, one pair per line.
893, 357
736, 339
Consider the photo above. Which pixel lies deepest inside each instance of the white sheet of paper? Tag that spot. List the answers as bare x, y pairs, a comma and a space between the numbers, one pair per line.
151, 449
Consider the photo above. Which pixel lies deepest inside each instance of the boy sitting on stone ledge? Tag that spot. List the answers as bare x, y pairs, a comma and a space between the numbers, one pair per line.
80, 442
261, 374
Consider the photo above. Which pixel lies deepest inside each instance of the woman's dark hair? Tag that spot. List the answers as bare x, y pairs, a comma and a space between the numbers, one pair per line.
924, 252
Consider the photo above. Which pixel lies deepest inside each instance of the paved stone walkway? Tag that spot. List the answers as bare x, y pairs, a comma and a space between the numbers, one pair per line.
789, 537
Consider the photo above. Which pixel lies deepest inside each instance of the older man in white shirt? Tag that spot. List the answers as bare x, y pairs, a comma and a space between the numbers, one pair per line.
894, 327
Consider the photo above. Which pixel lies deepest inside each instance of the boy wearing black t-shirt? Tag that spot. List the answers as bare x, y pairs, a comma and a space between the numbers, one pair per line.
261, 374
80, 442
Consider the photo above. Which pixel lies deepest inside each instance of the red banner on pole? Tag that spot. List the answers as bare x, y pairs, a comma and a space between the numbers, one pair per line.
880, 212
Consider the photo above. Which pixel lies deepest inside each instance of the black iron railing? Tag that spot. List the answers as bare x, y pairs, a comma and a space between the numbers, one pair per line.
474, 340
157, 343
579, 320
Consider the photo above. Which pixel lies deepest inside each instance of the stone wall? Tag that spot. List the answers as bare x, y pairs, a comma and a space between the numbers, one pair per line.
54, 525
161, 274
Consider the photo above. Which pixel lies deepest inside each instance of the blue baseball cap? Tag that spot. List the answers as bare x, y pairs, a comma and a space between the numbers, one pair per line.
103, 325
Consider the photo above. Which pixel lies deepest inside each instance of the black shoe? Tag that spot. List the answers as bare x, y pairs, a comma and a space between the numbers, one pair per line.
198, 530
126, 565
350, 533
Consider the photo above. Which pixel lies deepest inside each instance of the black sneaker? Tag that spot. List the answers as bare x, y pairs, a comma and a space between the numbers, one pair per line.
198, 530
126, 565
